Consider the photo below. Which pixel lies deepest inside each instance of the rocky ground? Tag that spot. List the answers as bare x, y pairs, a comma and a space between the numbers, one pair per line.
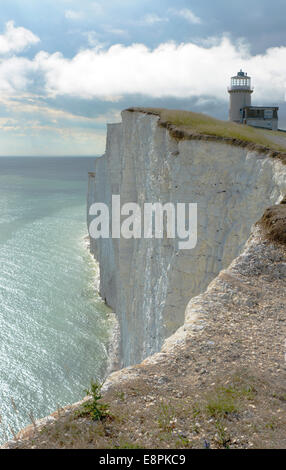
219, 382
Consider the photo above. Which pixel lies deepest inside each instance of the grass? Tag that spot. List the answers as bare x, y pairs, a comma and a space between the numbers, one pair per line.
198, 123
221, 406
223, 439
226, 400
166, 417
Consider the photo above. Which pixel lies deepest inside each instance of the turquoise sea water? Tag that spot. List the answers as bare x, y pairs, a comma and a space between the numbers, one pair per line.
53, 327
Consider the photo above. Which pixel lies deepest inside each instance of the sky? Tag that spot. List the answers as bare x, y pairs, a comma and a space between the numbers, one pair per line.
67, 67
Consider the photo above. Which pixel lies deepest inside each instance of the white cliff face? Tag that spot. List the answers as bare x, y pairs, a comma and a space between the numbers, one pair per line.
150, 282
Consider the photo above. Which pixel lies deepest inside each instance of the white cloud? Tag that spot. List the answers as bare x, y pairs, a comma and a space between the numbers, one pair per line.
170, 70
183, 70
152, 18
116, 31
187, 14
8, 124
16, 74
16, 39
94, 41
74, 15
92, 9
27, 104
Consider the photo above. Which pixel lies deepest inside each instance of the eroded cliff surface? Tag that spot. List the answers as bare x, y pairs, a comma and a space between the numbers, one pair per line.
150, 282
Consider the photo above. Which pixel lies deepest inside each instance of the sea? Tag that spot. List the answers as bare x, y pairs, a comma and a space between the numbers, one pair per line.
54, 327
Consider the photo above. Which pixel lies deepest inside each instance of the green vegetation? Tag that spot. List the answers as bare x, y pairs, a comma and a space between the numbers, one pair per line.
166, 417
223, 439
222, 405
198, 123
226, 400
93, 408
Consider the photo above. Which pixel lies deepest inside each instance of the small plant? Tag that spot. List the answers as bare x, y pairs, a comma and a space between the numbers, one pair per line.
182, 441
240, 391
195, 410
227, 400
166, 418
221, 405
223, 438
271, 425
96, 410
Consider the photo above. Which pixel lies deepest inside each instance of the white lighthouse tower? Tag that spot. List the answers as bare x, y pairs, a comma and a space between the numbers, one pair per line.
240, 95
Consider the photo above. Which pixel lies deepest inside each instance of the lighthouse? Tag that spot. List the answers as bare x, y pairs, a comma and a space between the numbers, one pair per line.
240, 109
240, 95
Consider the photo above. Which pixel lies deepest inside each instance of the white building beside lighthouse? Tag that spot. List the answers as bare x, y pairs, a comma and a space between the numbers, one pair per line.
240, 109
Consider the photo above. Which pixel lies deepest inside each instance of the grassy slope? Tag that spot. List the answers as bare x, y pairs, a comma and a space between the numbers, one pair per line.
198, 123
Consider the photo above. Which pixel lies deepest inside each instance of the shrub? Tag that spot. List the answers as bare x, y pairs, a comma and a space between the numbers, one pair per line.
96, 410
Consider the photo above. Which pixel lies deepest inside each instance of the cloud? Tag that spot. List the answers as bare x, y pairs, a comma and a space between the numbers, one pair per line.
8, 124
116, 31
16, 39
74, 15
16, 74
27, 104
187, 14
93, 40
152, 18
170, 70
92, 9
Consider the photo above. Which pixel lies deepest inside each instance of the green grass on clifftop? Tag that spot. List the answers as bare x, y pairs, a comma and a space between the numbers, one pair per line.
202, 124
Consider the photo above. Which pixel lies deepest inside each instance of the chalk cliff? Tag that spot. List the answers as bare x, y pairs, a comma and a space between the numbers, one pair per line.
149, 282
206, 317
